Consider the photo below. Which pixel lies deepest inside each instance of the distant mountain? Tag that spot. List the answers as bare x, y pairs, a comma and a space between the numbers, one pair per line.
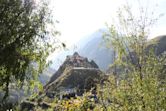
46, 74
96, 50
158, 44
92, 47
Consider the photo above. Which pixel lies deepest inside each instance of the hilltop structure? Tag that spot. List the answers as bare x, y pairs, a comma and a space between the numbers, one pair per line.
73, 75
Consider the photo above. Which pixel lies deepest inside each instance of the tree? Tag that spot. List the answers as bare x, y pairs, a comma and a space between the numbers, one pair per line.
25, 41
139, 88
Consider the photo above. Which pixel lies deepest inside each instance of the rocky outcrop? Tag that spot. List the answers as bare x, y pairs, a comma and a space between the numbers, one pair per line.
73, 61
75, 76
75, 72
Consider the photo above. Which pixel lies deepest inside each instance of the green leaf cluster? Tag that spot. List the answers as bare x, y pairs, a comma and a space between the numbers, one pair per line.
25, 41
137, 81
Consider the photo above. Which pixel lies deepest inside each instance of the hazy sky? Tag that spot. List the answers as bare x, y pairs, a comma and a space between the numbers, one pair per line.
78, 18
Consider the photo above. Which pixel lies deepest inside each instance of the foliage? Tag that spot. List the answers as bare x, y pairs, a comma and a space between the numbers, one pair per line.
136, 84
25, 41
81, 103
136, 95
74, 104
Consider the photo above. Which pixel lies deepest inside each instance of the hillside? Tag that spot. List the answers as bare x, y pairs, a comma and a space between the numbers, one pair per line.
75, 76
96, 50
158, 43
75, 72
73, 61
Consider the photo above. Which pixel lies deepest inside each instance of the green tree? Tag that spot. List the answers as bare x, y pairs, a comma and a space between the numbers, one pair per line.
138, 86
26, 40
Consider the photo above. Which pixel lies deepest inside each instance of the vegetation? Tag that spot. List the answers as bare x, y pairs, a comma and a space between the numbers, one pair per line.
81, 103
136, 83
25, 41
137, 80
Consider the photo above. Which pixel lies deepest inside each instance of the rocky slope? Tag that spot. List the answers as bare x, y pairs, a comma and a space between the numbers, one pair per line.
75, 76
74, 73
73, 61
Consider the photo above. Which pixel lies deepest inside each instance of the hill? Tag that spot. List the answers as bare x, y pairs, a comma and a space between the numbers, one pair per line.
73, 61
96, 50
158, 43
75, 76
